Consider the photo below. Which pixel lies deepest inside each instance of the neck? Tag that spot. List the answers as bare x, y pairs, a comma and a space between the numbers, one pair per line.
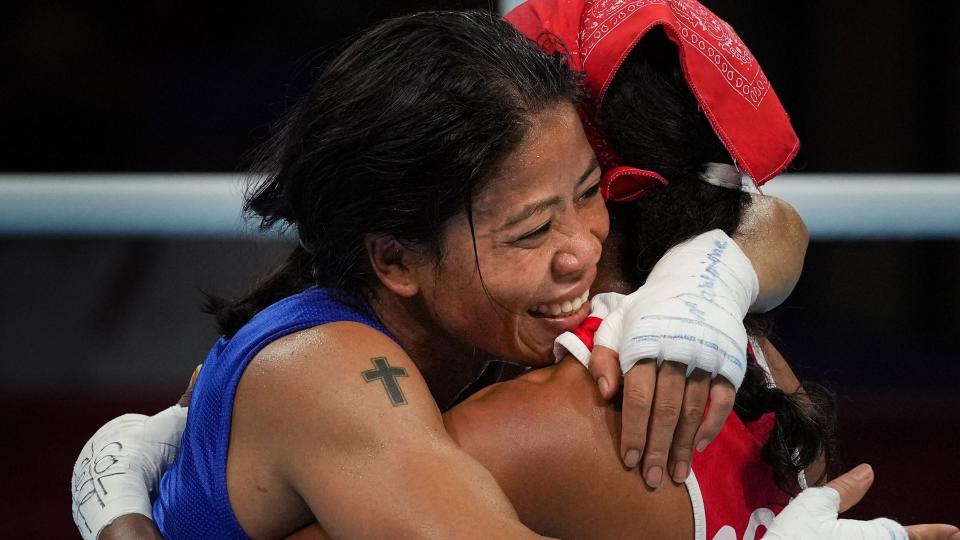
447, 365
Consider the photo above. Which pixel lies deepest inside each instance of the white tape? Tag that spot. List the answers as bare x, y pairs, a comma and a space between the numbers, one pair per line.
690, 310
119, 468
812, 515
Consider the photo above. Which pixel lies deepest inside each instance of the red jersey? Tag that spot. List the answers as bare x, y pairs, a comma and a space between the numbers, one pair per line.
731, 488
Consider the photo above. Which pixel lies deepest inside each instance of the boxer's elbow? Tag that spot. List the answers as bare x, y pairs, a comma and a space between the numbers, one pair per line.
131, 527
775, 238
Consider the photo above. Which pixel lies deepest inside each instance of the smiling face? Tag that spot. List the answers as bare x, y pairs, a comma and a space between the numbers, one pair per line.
538, 225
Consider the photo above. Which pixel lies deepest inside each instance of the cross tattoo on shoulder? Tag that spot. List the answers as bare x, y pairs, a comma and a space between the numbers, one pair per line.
387, 374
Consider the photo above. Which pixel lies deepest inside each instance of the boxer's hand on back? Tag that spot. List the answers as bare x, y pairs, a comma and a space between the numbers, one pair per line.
120, 467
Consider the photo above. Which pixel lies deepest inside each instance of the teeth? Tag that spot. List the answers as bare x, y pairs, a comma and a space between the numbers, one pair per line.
565, 307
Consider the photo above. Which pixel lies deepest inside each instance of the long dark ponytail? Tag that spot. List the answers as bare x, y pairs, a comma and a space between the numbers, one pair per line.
653, 120
394, 137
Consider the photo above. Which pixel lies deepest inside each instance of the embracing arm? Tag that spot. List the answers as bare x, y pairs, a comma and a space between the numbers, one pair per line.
357, 437
131, 527
546, 439
544, 469
550, 441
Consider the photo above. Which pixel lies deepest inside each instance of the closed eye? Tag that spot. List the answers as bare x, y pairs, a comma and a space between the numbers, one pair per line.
591, 192
534, 234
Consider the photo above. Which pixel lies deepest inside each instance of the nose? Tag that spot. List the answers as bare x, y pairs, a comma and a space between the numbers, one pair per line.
579, 252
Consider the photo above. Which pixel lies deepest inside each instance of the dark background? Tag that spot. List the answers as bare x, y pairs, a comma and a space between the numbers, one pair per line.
93, 327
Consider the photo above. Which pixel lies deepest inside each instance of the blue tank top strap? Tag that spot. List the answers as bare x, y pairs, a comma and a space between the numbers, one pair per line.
193, 501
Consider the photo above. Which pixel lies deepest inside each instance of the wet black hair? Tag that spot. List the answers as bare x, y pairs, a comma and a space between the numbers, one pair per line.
394, 137
654, 122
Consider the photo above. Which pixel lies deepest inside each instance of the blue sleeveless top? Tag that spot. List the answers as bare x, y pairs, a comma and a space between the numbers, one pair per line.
193, 500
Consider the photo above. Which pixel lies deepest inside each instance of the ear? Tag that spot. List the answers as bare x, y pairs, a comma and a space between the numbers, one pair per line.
394, 264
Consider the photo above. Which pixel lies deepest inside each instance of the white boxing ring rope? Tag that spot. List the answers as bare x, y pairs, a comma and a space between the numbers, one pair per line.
834, 206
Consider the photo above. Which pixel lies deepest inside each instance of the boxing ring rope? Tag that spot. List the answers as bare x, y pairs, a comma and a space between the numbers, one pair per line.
506, 6
834, 206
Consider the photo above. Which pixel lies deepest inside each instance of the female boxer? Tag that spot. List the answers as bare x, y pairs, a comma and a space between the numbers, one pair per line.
547, 437
439, 184
448, 203
550, 440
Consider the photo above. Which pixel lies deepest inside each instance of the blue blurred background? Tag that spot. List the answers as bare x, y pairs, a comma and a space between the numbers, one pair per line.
91, 327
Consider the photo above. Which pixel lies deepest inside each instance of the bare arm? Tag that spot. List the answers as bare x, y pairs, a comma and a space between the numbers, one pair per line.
774, 238
547, 439
341, 418
131, 527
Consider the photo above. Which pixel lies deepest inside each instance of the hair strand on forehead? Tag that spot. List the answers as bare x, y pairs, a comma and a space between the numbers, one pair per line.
395, 136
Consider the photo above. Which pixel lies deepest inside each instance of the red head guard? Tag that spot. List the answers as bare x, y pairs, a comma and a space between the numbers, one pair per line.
722, 74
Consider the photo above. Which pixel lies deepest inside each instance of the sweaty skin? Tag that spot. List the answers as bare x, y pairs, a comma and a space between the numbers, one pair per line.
547, 437
777, 229
775, 239
339, 438
550, 441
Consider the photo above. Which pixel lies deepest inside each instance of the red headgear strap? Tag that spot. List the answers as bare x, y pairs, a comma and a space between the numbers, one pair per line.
724, 77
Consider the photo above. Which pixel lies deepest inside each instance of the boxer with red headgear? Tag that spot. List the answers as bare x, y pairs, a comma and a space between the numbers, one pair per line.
549, 394
549, 440
730, 87
724, 77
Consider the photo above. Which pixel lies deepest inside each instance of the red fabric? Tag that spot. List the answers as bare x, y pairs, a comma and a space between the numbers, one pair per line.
587, 329
622, 183
723, 75
739, 494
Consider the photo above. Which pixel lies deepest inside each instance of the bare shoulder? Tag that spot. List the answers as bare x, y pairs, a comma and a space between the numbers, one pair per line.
330, 367
350, 420
563, 392
551, 442
307, 405
543, 436
526, 411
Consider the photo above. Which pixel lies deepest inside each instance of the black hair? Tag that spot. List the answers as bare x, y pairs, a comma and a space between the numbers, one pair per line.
394, 137
654, 122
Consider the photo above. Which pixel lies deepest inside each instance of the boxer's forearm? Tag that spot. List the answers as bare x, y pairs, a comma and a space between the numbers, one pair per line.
131, 527
774, 238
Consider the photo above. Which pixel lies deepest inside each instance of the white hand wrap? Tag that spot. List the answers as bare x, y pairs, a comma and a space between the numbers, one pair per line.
812, 515
690, 310
119, 468
568, 342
